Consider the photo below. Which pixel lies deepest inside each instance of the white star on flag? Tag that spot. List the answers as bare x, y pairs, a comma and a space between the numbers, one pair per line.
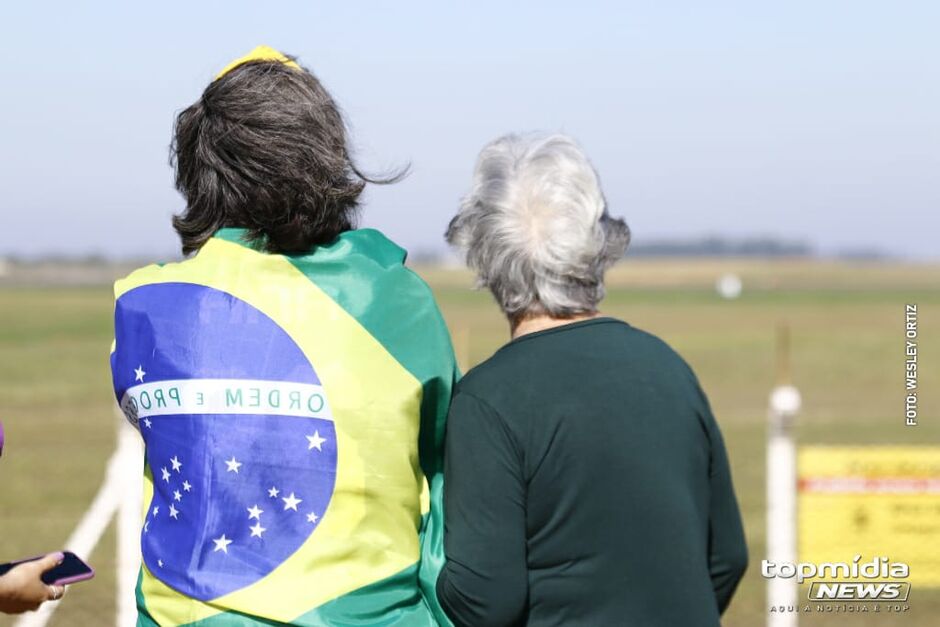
273, 492
156, 510
174, 513
139, 373
166, 474
254, 512
291, 502
147, 423
146, 526
187, 486
311, 517
160, 563
233, 465
177, 495
316, 442
257, 530
221, 544
177, 464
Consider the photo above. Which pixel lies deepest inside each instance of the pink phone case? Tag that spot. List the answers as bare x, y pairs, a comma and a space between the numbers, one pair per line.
74, 578
64, 580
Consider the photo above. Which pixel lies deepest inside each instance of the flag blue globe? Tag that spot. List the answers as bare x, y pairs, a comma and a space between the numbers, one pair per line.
238, 434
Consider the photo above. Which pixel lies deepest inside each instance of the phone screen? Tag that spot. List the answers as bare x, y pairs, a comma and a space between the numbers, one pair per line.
71, 570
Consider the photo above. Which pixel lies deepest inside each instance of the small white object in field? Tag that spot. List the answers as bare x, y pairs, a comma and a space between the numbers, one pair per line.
729, 286
785, 399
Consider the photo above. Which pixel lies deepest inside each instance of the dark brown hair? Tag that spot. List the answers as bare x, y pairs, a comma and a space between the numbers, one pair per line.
265, 149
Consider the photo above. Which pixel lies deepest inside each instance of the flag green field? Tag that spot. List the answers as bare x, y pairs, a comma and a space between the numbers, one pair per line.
846, 322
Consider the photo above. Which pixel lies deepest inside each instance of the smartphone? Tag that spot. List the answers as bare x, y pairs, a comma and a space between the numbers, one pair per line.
71, 570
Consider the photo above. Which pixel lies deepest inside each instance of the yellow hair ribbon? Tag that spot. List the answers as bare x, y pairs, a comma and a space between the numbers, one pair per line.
261, 53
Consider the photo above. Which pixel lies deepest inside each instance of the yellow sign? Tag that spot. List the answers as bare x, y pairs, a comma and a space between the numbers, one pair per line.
873, 501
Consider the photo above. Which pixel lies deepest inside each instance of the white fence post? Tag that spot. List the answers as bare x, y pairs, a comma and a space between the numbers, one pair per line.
127, 559
781, 502
785, 404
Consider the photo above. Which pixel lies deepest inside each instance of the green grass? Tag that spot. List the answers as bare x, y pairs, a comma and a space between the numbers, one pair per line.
846, 326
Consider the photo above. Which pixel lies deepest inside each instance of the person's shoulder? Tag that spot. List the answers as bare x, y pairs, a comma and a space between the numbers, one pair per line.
367, 250
214, 254
153, 273
628, 345
604, 333
483, 396
659, 351
390, 257
651, 341
374, 245
371, 257
364, 272
487, 376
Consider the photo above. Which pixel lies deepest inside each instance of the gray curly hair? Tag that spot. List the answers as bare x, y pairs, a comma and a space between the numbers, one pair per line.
535, 227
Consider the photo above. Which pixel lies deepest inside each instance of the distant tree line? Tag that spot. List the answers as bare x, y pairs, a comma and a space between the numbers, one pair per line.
709, 246
716, 246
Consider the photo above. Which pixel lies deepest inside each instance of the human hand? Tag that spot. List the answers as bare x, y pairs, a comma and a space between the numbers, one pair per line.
22, 590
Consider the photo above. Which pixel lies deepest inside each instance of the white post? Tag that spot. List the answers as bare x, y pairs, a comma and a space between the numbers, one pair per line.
128, 524
781, 502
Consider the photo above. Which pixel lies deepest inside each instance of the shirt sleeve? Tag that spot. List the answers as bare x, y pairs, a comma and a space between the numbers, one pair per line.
727, 548
484, 580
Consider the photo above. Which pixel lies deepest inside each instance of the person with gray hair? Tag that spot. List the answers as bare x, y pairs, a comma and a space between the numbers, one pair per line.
586, 481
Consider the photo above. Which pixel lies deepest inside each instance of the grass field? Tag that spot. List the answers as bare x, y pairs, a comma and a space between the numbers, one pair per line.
846, 324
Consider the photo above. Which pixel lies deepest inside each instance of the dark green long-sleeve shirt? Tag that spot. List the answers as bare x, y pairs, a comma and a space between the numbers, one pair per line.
586, 483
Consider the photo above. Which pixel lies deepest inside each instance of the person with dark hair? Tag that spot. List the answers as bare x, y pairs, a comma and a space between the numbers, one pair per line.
290, 378
265, 149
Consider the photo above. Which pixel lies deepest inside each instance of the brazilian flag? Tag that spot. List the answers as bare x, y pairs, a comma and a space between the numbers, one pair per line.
292, 409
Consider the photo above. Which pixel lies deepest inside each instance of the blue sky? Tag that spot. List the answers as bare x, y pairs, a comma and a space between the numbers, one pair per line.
813, 120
